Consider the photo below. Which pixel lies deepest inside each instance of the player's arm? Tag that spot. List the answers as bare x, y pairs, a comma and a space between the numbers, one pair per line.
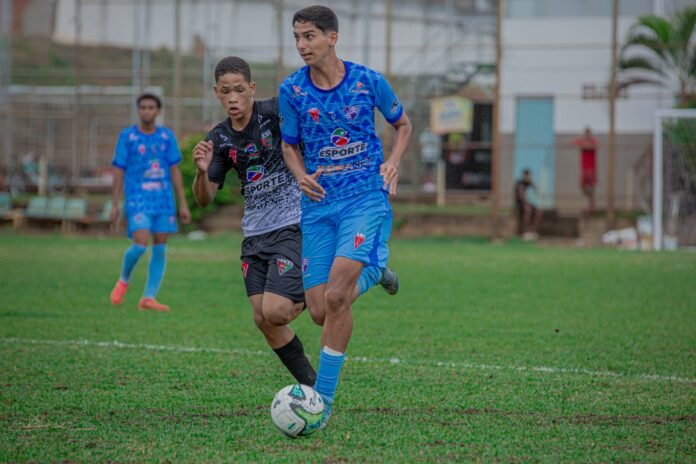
203, 189
178, 182
116, 192
390, 167
295, 163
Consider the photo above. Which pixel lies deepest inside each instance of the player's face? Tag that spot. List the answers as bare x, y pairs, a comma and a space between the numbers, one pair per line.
236, 95
312, 43
148, 111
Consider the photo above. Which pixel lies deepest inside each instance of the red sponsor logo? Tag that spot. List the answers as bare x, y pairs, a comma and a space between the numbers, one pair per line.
245, 268
233, 155
141, 149
358, 240
314, 113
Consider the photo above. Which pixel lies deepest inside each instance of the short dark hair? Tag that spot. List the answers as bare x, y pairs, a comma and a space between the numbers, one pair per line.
149, 96
234, 65
526, 171
322, 17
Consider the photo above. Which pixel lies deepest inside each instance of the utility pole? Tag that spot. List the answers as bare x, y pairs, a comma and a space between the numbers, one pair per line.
611, 215
280, 66
77, 119
6, 72
177, 68
388, 19
495, 152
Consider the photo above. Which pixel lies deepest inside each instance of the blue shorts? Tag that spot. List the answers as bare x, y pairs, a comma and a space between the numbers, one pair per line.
356, 228
155, 223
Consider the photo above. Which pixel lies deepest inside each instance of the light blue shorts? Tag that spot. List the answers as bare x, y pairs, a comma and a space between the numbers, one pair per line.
356, 228
155, 223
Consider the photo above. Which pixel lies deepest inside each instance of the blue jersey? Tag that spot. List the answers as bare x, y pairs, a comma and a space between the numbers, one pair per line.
146, 160
337, 128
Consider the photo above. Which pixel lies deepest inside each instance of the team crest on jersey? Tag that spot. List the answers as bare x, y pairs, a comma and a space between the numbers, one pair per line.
245, 268
359, 88
267, 139
284, 265
358, 240
340, 137
255, 173
233, 155
351, 112
141, 149
314, 113
305, 265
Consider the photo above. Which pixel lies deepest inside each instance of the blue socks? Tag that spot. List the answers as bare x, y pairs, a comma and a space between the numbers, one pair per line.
369, 277
130, 259
330, 365
155, 273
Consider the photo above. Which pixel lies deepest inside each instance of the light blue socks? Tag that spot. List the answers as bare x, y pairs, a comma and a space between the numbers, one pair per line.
330, 363
130, 259
155, 273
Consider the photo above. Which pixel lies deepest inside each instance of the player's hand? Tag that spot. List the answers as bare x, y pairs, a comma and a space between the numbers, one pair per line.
184, 214
311, 187
203, 154
114, 214
390, 174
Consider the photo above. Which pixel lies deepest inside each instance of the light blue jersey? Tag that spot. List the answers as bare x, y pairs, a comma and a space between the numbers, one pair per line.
146, 160
337, 128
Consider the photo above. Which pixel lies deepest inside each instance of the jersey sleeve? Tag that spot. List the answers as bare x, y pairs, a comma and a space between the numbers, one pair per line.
387, 102
217, 171
120, 159
173, 151
289, 120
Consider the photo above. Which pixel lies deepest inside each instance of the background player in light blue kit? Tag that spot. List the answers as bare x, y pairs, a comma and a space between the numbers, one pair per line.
328, 106
146, 160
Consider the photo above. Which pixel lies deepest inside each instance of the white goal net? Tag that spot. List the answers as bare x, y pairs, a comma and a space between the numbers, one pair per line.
674, 179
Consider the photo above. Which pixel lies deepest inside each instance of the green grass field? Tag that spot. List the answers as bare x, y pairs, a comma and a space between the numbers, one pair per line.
507, 353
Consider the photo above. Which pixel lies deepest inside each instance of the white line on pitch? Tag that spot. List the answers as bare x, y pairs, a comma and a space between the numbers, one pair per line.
405, 362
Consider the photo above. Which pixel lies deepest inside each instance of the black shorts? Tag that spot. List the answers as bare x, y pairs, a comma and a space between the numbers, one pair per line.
271, 262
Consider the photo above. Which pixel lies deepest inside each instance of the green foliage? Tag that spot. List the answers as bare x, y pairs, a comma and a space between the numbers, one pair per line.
188, 172
658, 51
473, 328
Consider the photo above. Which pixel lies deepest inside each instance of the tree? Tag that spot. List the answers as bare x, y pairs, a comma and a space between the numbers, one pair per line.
662, 52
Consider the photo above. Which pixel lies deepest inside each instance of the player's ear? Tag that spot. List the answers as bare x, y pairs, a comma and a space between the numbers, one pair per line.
215, 90
252, 88
333, 38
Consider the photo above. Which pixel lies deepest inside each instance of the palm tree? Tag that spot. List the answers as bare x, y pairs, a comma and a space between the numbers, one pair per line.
662, 52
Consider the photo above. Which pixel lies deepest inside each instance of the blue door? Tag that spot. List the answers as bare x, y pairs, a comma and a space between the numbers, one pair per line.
534, 147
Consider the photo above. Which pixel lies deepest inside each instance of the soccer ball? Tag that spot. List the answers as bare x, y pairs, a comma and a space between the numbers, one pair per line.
297, 410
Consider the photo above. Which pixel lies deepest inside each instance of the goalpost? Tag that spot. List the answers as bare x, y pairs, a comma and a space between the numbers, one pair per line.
674, 177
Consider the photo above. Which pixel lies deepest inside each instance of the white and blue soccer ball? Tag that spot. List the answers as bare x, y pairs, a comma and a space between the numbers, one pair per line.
297, 410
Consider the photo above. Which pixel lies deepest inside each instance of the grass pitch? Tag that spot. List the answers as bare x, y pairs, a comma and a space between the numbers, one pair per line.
508, 353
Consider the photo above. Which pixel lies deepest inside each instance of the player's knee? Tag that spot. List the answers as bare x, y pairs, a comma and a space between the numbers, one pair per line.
317, 314
279, 314
337, 298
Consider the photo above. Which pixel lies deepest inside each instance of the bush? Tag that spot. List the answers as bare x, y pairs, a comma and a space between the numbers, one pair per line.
188, 172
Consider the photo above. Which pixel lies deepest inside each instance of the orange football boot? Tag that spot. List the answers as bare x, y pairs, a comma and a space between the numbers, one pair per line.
119, 292
150, 303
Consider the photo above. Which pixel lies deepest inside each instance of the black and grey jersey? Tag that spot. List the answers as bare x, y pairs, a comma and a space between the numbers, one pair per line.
271, 194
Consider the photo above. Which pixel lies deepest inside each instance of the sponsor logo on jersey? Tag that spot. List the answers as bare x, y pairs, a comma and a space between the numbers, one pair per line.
132, 137
314, 113
252, 150
340, 137
164, 135
265, 183
297, 92
284, 265
305, 265
358, 240
343, 168
141, 149
245, 268
255, 173
155, 171
351, 112
233, 155
394, 107
224, 138
360, 88
342, 148
267, 139
151, 186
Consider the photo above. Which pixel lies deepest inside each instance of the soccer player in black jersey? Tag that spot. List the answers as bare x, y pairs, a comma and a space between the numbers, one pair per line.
248, 141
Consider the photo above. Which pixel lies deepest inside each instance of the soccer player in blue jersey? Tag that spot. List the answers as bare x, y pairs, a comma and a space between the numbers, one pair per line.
328, 106
146, 159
